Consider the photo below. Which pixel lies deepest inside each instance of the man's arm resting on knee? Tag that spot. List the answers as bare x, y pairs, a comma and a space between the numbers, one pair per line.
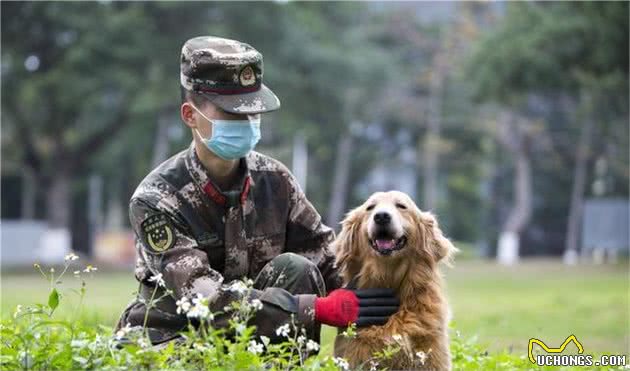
186, 272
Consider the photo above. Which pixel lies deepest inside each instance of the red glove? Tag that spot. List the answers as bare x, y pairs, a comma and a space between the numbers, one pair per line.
364, 307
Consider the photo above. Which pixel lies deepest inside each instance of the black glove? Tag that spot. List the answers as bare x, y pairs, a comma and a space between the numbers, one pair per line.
364, 307
375, 306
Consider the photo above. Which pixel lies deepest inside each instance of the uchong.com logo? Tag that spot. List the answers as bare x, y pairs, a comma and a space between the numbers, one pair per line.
554, 358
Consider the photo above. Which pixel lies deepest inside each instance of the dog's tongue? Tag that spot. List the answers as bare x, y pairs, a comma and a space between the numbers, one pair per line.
385, 244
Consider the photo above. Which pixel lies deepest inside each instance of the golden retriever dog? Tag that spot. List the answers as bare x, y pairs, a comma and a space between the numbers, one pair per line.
389, 242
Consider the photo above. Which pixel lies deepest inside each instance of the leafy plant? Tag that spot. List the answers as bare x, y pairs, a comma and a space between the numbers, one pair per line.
33, 339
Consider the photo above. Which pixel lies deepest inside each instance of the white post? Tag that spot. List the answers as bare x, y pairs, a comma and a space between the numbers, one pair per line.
507, 253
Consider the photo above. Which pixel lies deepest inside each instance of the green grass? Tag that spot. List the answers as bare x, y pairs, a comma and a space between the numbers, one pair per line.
107, 294
506, 306
503, 307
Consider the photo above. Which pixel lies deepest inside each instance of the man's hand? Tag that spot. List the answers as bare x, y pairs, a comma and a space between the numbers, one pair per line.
363, 307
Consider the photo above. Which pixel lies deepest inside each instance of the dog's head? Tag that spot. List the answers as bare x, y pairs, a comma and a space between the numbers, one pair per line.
388, 227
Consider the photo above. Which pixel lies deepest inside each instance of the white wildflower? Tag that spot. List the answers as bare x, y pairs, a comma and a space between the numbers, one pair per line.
240, 328
123, 331
373, 365
341, 363
90, 268
199, 347
71, 257
301, 339
257, 304
78, 343
199, 299
422, 356
238, 286
265, 340
18, 310
183, 305
397, 338
77, 273
143, 343
52, 270
255, 347
198, 311
312, 346
199, 308
193, 312
283, 330
158, 279
202, 347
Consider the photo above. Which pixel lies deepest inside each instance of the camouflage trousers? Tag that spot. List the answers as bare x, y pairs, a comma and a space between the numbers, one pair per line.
276, 285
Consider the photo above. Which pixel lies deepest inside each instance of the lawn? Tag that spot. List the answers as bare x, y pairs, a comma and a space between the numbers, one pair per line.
504, 307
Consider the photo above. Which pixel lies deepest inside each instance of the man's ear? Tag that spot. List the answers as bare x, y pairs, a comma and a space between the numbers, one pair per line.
438, 245
187, 114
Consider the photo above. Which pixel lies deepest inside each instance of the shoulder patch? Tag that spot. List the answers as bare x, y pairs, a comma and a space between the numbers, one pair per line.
158, 233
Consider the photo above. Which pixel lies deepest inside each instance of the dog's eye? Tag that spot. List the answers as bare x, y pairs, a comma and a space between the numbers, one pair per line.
371, 207
401, 206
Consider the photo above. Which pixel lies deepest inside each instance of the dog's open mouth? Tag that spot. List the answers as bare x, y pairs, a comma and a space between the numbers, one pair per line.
385, 246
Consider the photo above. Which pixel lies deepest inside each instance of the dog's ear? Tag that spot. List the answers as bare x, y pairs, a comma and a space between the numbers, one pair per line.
346, 245
438, 245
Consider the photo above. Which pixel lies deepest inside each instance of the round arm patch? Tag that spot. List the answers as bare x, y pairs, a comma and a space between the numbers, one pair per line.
158, 233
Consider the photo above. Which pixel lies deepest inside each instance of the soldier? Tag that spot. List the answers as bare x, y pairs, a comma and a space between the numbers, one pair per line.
219, 211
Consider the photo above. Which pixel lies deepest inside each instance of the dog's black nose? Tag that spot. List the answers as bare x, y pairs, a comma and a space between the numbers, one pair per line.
382, 218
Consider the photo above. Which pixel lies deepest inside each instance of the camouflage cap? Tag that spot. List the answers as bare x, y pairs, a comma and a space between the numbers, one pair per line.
228, 72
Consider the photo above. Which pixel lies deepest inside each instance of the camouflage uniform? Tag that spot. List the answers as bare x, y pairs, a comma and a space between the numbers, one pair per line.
200, 238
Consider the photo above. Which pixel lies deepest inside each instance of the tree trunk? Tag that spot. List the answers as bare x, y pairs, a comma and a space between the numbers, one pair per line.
29, 194
94, 209
513, 139
57, 240
340, 181
58, 201
522, 210
431, 143
577, 192
299, 166
160, 148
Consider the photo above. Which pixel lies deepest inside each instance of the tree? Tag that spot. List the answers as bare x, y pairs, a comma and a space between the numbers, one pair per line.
74, 77
532, 53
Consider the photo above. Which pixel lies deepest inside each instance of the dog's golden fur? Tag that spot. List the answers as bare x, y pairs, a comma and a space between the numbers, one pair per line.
412, 272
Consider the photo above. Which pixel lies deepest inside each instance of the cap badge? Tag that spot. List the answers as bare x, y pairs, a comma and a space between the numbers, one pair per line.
247, 77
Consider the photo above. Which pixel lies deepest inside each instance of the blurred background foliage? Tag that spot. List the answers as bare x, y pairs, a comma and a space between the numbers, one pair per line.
496, 116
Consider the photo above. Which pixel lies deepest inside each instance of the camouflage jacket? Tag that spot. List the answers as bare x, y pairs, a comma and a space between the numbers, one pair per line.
200, 238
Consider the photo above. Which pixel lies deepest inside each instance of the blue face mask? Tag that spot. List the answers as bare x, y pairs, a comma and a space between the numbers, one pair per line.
232, 139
